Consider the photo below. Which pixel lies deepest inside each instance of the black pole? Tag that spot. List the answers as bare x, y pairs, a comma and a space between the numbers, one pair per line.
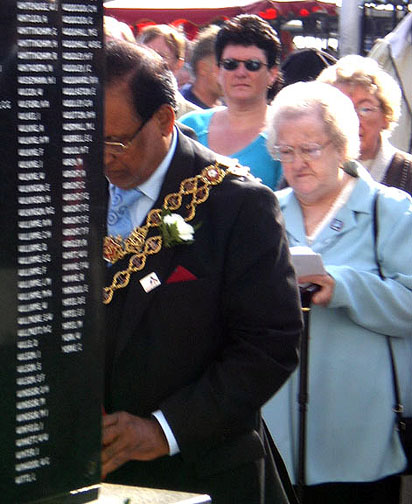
303, 396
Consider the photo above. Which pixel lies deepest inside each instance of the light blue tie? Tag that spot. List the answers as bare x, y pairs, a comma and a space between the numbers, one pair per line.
118, 216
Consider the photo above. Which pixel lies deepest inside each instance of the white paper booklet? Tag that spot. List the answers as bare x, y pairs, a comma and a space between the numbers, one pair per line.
306, 261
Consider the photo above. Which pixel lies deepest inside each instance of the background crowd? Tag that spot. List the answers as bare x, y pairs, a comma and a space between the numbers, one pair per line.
317, 131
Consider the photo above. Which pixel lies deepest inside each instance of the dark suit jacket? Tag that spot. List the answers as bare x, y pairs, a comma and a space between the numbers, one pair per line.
207, 352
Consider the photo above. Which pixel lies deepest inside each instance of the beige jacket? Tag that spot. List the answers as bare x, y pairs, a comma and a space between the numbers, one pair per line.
394, 54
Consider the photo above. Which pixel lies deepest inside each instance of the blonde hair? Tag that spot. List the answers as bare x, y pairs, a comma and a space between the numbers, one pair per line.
317, 99
174, 39
355, 70
116, 30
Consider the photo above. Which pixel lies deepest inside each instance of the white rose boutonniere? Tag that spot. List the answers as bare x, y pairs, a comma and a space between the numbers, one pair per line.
175, 230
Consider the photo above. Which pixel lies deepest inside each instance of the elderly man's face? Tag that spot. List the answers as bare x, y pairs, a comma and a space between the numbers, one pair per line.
146, 147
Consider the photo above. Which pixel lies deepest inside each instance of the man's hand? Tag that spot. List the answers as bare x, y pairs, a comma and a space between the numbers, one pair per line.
327, 285
128, 437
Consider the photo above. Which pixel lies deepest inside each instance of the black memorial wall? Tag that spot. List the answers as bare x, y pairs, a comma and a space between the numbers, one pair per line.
52, 213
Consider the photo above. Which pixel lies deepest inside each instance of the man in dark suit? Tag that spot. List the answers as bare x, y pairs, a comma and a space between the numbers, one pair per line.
203, 313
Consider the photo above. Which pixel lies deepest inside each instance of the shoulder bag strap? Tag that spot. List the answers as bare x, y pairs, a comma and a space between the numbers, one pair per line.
399, 172
398, 407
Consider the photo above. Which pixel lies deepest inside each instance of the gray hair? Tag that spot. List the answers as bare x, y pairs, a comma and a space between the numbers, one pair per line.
355, 70
326, 102
204, 45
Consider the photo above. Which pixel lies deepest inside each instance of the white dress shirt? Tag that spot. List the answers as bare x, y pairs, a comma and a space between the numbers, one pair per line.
150, 190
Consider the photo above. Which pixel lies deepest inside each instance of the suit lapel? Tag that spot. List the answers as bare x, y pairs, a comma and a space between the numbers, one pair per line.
136, 299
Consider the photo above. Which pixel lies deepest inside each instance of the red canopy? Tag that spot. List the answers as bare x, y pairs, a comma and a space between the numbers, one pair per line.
193, 14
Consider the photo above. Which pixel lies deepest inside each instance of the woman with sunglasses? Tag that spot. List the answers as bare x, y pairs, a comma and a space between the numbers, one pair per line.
353, 450
248, 53
377, 100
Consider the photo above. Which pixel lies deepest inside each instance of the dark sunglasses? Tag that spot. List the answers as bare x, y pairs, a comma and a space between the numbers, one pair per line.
252, 65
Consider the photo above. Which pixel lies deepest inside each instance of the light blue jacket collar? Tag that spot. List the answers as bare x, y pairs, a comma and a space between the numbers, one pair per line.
360, 201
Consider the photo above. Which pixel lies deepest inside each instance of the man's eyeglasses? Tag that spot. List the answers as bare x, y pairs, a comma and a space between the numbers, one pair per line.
308, 152
366, 112
119, 148
253, 65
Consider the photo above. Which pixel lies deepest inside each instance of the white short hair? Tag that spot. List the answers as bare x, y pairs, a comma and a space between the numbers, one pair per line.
320, 100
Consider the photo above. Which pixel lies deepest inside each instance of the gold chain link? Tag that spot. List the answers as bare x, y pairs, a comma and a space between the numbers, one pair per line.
139, 245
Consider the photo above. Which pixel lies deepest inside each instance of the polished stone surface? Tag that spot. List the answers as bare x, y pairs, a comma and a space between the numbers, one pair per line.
51, 230
119, 494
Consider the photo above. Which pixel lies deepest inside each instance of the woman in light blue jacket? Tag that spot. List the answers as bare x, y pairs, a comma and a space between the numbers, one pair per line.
353, 448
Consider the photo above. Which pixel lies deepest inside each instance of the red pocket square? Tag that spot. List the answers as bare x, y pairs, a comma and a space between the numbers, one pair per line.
180, 274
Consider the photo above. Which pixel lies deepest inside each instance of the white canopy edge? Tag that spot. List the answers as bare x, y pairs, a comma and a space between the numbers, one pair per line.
185, 4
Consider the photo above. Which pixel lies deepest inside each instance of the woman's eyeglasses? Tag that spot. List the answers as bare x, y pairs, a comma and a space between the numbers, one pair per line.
308, 152
366, 112
252, 65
